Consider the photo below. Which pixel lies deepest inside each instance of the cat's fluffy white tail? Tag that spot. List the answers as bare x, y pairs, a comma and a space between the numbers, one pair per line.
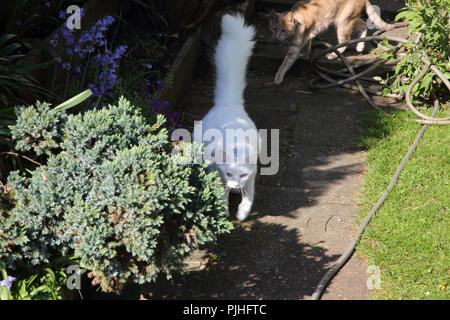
231, 58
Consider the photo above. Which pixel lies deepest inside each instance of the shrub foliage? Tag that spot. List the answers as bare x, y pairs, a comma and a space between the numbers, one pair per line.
429, 24
110, 193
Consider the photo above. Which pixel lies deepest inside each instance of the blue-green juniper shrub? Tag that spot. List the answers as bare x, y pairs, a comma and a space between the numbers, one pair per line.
112, 195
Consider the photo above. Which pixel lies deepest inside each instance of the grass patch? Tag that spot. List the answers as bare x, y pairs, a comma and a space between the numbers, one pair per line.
409, 237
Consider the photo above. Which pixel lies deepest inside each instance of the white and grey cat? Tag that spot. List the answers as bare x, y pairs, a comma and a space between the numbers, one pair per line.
239, 166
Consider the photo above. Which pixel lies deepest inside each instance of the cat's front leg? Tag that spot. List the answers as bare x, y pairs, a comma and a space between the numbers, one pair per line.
308, 49
247, 200
288, 61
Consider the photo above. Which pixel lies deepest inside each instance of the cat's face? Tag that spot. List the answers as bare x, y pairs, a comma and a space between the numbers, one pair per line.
235, 176
282, 25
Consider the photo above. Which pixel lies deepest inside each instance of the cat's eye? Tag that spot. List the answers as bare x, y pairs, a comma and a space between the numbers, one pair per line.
243, 175
229, 174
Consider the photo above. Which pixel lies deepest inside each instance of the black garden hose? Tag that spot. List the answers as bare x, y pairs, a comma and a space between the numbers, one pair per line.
354, 76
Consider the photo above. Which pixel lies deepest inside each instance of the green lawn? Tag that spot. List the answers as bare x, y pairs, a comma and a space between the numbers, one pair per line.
409, 237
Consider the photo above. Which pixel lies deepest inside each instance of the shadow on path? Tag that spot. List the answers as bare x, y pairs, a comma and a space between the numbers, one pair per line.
253, 263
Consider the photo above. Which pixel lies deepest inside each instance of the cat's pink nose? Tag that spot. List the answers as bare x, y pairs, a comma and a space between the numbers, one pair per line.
234, 185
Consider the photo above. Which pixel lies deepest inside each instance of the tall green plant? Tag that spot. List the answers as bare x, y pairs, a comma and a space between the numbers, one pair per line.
16, 80
430, 30
46, 284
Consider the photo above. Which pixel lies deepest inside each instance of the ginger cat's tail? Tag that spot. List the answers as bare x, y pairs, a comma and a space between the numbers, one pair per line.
376, 19
231, 58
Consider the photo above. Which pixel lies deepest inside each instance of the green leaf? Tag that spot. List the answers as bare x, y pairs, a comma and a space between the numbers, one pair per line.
51, 274
3, 271
426, 81
34, 67
74, 100
23, 289
5, 294
402, 15
6, 51
39, 289
7, 37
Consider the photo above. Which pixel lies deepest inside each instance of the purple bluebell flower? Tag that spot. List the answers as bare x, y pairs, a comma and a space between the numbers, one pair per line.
143, 92
67, 35
119, 52
7, 282
93, 42
94, 89
66, 66
86, 36
54, 41
105, 23
160, 84
77, 48
62, 15
147, 65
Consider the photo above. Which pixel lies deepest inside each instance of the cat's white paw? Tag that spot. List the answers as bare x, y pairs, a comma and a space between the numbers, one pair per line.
242, 215
332, 56
360, 47
243, 211
278, 79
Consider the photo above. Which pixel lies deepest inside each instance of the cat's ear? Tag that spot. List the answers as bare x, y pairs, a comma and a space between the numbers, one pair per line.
271, 15
290, 18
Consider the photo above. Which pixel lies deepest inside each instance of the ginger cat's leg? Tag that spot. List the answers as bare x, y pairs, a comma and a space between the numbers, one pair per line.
291, 57
308, 49
361, 27
344, 32
293, 54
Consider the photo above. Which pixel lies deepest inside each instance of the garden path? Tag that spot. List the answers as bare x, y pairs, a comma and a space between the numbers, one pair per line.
304, 216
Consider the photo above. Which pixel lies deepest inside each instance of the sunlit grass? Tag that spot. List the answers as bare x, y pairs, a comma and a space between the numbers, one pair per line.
409, 237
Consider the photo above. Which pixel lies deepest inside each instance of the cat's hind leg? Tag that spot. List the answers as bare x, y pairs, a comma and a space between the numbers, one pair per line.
344, 32
361, 27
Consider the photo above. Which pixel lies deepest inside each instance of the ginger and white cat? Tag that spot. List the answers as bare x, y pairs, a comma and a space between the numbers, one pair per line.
228, 115
307, 19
